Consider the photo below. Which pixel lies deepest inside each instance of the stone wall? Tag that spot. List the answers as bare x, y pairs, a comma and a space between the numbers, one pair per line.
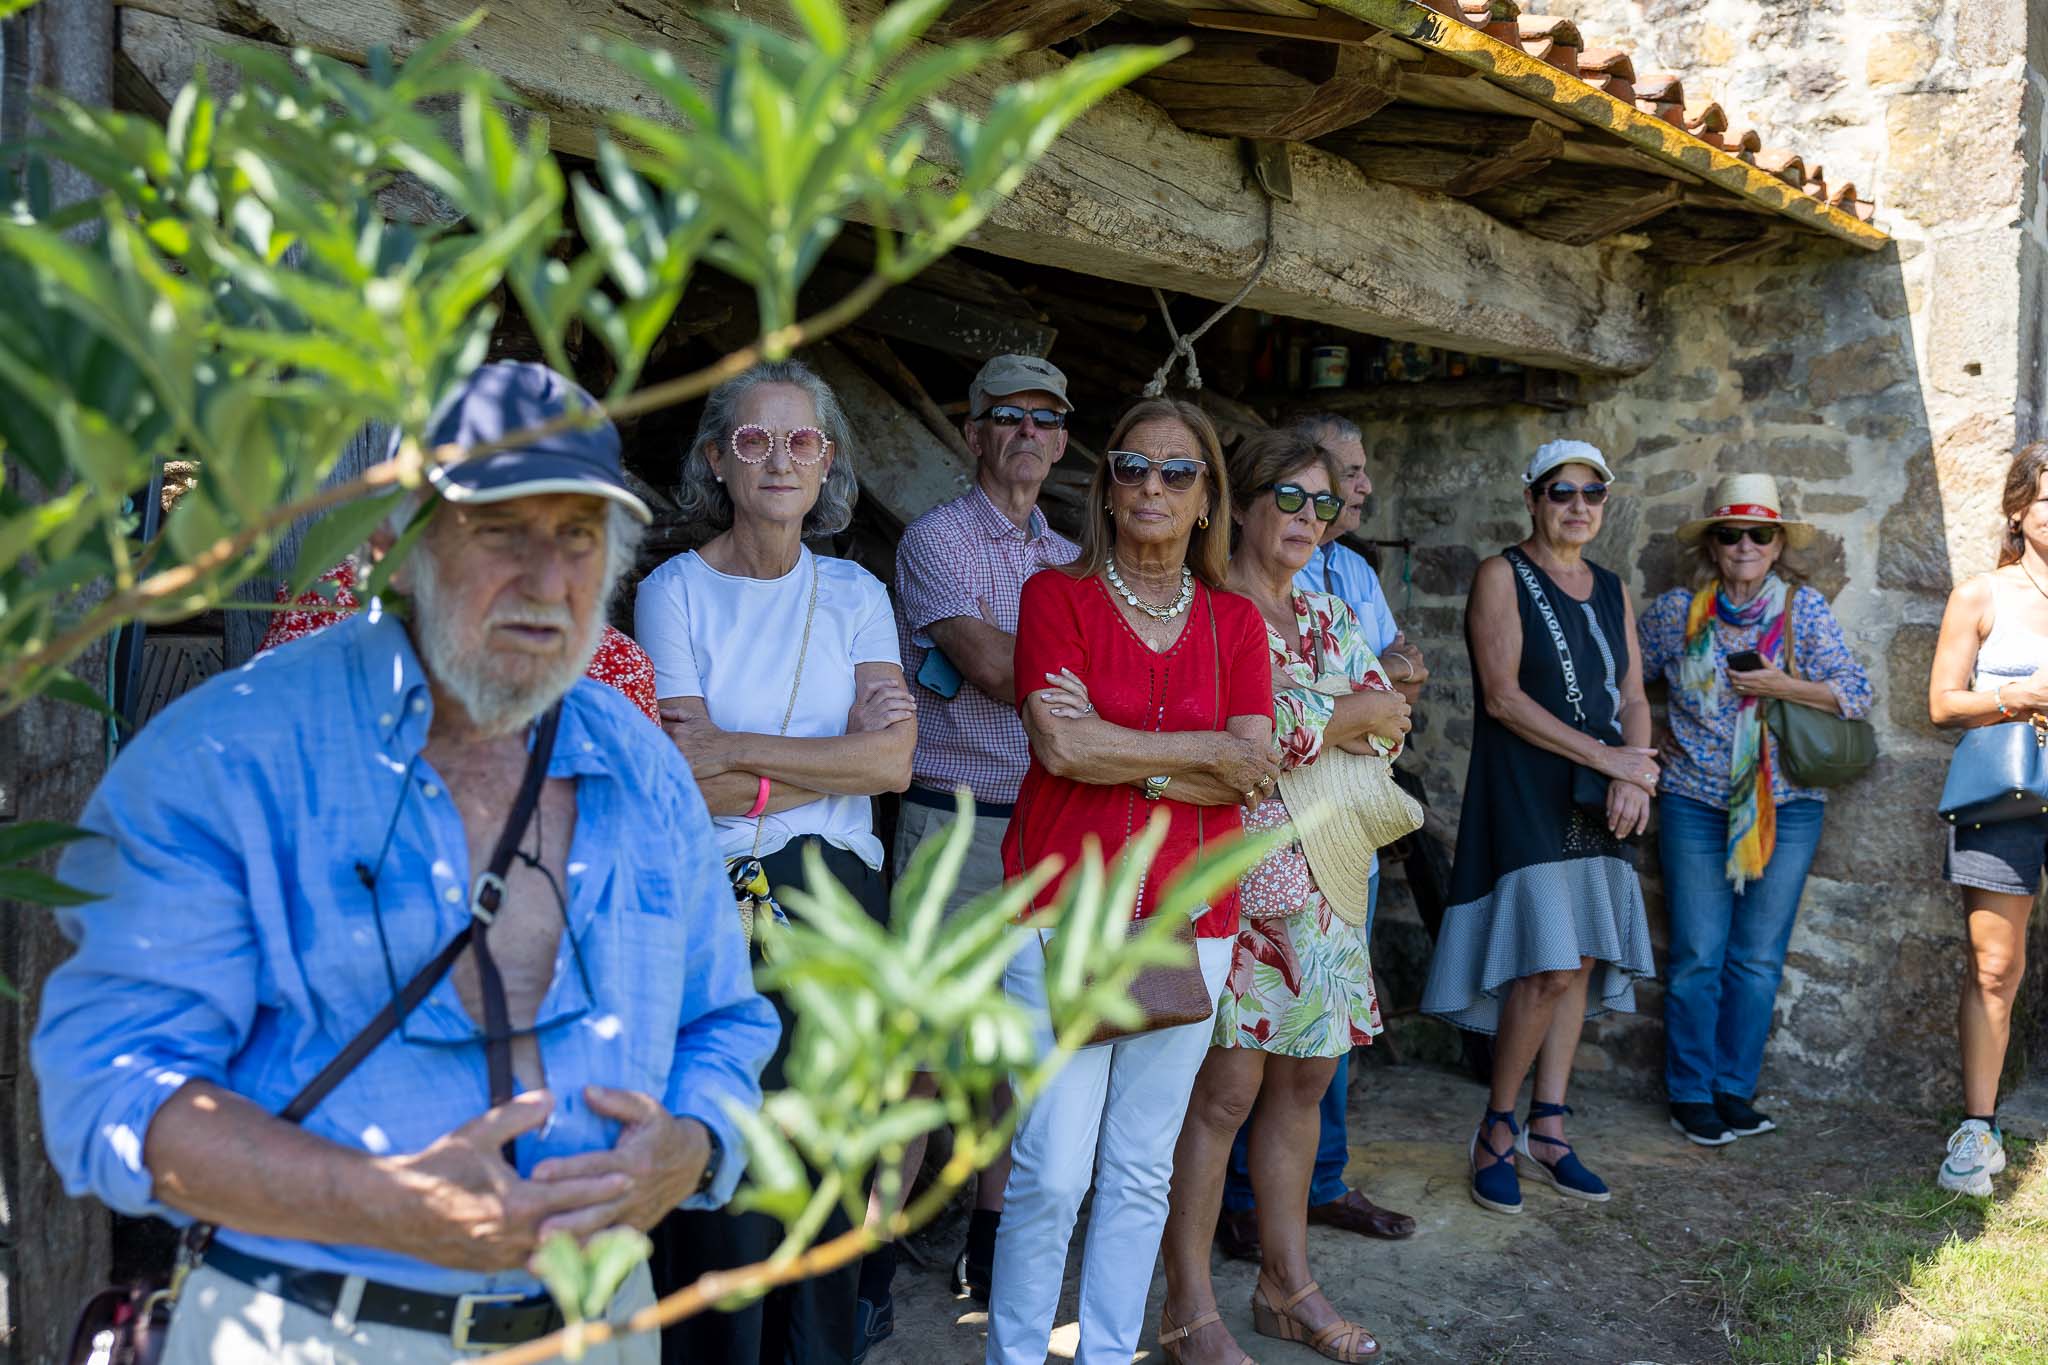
1885, 391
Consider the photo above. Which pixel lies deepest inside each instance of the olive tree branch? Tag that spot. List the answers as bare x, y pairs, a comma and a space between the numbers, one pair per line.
751, 1281
405, 469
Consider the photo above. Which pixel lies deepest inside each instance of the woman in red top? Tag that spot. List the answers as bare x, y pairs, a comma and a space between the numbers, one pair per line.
1157, 696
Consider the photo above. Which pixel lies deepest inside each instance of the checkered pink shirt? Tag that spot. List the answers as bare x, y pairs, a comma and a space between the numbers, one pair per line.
965, 558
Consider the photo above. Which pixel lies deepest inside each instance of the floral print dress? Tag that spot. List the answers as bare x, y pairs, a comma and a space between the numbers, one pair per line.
1300, 981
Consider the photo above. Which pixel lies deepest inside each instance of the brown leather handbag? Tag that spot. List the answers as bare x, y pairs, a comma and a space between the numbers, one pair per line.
1169, 994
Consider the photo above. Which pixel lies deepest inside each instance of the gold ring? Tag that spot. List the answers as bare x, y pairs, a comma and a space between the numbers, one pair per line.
1251, 796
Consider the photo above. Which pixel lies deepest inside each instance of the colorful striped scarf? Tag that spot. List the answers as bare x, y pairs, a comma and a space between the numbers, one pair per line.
1752, 811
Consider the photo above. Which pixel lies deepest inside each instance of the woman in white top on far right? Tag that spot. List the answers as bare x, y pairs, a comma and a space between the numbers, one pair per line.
779, 678
1991, 668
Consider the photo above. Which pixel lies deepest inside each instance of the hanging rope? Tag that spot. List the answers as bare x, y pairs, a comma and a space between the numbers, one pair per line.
1184, 346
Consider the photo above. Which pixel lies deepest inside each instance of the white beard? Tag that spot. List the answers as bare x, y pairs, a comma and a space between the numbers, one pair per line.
499, 702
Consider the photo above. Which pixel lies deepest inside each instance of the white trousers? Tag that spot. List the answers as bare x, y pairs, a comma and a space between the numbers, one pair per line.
221, 1321
1110, 1118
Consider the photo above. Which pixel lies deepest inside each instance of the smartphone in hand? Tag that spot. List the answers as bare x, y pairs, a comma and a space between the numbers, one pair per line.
1745, 661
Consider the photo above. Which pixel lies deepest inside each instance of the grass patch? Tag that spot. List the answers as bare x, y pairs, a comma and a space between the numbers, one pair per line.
1905, 1272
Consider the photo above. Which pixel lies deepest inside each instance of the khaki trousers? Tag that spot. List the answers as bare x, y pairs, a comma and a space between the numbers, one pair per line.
983, 868
221, 1321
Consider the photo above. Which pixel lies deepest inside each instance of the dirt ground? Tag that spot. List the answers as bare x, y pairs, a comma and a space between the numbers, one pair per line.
1613, 1284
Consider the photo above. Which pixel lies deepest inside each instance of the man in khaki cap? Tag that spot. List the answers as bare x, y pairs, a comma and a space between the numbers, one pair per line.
959, 571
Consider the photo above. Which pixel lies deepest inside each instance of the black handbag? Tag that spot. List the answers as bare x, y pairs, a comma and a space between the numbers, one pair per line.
1818, 748
1997, 773
128, 1324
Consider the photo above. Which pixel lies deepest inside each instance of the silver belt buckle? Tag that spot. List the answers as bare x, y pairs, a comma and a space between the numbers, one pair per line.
465, 1306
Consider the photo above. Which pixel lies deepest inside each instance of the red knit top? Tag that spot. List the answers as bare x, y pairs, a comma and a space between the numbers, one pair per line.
1199, 683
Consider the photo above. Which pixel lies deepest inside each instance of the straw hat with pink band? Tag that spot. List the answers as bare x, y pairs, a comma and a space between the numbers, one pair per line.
1747, 500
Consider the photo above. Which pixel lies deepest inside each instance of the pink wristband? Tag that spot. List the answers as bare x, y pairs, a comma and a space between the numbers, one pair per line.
760, 801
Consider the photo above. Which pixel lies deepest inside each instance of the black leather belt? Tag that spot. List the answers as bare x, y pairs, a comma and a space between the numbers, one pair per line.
945, 801
465, 1319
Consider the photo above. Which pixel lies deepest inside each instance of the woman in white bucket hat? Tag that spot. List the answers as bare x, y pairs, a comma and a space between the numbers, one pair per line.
1734, 834
1546, 927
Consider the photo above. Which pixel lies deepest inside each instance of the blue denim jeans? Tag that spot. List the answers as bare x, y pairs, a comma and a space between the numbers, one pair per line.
1333, 1142
1727, 950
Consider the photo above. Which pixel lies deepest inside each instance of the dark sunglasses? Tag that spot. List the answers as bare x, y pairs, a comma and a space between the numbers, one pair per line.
1010, 415
1562, 492
1129, 468
1289, 497
1758, 535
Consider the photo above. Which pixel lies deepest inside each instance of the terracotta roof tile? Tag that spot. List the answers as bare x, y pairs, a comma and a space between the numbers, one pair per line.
1842, 195
1553, 39
1706, 117
1497, 17
1787, 166
1609, 69
1744, 142
1607, 61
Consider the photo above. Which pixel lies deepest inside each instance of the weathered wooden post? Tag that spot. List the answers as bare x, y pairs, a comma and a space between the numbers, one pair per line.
52, 1249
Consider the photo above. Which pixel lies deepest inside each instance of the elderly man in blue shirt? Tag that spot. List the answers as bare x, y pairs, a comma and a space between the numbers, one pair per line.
1337, 569
280, 852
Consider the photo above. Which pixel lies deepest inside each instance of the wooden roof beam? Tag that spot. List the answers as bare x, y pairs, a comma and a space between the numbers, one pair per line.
1323, 28
1583, 225
1041, 22
1427, 149
1242, 85
1516, 70
1123, 194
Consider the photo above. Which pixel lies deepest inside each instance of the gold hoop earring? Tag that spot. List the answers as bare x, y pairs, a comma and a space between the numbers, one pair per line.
1202, 522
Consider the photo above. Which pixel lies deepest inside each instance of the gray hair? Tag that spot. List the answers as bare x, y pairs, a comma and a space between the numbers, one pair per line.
701, 498
1321, 426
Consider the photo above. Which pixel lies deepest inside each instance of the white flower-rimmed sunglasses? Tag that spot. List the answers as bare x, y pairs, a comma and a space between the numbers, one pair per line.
754, 444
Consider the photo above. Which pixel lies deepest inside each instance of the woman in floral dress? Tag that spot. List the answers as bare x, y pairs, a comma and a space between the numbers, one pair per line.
1299, 994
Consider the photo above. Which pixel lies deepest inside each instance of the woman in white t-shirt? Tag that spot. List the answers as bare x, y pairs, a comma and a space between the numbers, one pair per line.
779, 678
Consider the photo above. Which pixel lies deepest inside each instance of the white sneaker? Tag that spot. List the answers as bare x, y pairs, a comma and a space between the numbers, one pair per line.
1976, 1152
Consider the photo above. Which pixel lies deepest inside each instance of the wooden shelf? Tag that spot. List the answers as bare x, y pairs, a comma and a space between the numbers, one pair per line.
1546, 389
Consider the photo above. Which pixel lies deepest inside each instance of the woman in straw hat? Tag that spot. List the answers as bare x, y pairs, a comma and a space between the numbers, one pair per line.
1734, 834
1991, 668
1545, 928
1299, 995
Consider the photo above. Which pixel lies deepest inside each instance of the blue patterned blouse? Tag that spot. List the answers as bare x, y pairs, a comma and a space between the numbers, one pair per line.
1706, 738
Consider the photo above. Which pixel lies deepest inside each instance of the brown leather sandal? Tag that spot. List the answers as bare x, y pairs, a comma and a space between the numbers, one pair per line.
1342, 1341
1169, 1335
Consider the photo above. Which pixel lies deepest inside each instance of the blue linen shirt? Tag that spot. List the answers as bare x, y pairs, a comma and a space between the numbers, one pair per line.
1343, 572
235, 943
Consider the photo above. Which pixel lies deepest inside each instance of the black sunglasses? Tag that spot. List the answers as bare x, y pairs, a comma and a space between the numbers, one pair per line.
1289, 497
1562, 492
1010, 415
1758, 535
1129, 468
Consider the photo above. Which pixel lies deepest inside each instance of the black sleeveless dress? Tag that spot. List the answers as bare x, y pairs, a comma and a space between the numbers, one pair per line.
1538, 882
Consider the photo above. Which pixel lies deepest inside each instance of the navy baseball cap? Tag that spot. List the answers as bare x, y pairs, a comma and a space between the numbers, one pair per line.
506, 397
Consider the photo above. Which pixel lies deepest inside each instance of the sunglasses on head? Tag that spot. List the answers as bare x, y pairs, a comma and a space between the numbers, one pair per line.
1010, 415
1289, 498
804, 445
1758, 535
1562, 492
1129, 468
